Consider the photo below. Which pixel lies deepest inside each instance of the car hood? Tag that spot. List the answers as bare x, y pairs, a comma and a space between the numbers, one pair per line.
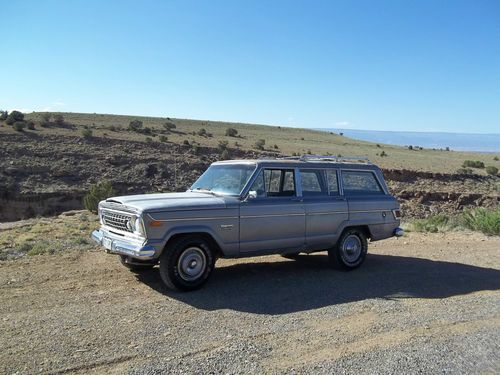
165, 202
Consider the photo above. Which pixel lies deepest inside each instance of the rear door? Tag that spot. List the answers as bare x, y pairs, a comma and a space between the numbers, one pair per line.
326, 209
274, 220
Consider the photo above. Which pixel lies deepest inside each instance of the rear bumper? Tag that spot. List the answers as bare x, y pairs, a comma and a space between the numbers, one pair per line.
399, 232
114, 244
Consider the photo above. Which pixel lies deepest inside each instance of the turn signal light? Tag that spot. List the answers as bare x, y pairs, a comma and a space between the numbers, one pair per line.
155, 223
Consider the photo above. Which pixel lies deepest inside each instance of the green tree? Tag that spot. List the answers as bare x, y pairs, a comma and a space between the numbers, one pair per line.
97, 193
14, 116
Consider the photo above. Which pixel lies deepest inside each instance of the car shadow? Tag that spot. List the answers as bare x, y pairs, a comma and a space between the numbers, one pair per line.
310, 283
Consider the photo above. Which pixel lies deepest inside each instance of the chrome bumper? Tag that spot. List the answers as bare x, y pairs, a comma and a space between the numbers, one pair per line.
118, 245
399, 232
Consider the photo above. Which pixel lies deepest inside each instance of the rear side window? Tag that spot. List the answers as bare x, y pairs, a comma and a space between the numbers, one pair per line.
313, 183
360, 182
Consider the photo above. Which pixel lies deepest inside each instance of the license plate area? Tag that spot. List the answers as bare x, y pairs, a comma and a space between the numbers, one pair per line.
107, 243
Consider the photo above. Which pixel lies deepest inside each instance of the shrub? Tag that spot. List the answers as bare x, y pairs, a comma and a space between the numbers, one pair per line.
432, 224
231, 132
447, 149
410, 147
19, 126
495, 158
3, 115
195, 149
163, 138
383, 154
59, 119
482, 220
149, 139
276, 147
222, 146
169, 126
185, 142
87, 133
112, 128
491, 170
13, 117
202, 132
135, 125
97, 193
473, 164
225, 155
30, 125
46, 116
259, 145
464, 171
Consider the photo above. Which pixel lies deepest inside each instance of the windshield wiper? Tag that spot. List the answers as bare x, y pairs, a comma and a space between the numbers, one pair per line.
205, 190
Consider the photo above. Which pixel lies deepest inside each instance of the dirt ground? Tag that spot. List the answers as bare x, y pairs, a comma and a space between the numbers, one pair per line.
422, 303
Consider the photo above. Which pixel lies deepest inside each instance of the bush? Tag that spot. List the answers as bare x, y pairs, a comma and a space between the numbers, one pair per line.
3, 115
495, 158
482, 220
87, 133
473, 164
135, 125
259, 145
202, 132
225, 155
169, 126
464, 171
59, 119
222, 146
30, 125
185, 142
432, 224
149, 139
276, 147
491, 170
19, 126
46, 117
97, 193
383, 154
231, 132
163, 138
13, 117
410, 147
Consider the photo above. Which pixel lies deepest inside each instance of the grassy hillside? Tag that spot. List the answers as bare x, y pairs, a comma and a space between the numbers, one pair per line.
286, 141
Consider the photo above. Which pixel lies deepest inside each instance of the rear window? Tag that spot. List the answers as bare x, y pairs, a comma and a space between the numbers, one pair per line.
360, 182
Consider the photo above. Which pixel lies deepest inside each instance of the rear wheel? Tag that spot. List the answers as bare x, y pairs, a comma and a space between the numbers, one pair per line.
136, 268
187, 263
350, 251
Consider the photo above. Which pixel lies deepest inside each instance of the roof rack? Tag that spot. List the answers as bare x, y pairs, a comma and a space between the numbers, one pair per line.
328, 158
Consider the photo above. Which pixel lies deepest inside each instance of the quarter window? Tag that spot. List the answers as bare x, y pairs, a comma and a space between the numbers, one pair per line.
333, 184
360, 182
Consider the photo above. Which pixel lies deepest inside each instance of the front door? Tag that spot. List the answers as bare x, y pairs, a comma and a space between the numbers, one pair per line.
274, 219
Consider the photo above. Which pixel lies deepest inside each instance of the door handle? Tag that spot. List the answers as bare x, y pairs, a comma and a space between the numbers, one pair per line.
340, 199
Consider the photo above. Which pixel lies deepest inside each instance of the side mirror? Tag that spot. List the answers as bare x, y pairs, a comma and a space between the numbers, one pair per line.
252, 194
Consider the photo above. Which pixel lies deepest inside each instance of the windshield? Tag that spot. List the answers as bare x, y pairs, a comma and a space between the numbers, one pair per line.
224, 179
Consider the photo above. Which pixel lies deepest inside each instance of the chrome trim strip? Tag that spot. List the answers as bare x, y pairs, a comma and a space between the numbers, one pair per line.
365, 211
327, 213
270, 215
195, 218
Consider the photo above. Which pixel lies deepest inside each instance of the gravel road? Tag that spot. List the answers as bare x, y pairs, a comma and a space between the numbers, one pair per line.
420, 304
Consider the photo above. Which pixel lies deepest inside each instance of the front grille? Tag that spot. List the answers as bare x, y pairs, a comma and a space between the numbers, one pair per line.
115, 220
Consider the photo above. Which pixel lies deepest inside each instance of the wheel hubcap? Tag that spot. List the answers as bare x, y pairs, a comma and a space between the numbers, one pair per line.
192, 263
351, 249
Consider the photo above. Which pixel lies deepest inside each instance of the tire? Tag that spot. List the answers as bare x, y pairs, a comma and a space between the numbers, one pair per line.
187, 263
136, 268
350, 250
293, 256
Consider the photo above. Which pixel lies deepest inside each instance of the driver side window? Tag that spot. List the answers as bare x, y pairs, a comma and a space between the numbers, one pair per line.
275, 183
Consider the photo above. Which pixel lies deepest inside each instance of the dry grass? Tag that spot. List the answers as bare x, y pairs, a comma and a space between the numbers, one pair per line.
288, 140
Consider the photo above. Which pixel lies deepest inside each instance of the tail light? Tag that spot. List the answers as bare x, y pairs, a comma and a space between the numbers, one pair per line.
397, 213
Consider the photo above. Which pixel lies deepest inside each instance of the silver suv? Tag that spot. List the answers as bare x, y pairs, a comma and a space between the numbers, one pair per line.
243, 208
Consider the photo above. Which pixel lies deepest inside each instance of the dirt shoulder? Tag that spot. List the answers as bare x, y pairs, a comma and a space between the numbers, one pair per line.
423, 303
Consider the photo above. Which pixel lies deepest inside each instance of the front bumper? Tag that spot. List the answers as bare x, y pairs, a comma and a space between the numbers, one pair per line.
138, 249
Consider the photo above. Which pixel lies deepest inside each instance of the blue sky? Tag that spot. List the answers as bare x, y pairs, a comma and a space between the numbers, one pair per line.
384, 65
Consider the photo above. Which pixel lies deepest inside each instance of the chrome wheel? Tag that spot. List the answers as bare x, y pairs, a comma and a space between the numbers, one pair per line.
192, 263
351, 248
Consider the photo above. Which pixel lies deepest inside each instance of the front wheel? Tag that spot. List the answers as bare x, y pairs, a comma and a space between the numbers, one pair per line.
350, 251
187, 263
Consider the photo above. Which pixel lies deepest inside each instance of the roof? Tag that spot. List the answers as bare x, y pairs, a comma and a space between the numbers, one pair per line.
307, 160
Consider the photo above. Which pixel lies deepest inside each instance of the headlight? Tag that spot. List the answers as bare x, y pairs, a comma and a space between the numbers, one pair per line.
135, 225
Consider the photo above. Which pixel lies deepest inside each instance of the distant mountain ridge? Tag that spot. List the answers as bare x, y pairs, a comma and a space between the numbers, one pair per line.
437, 140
